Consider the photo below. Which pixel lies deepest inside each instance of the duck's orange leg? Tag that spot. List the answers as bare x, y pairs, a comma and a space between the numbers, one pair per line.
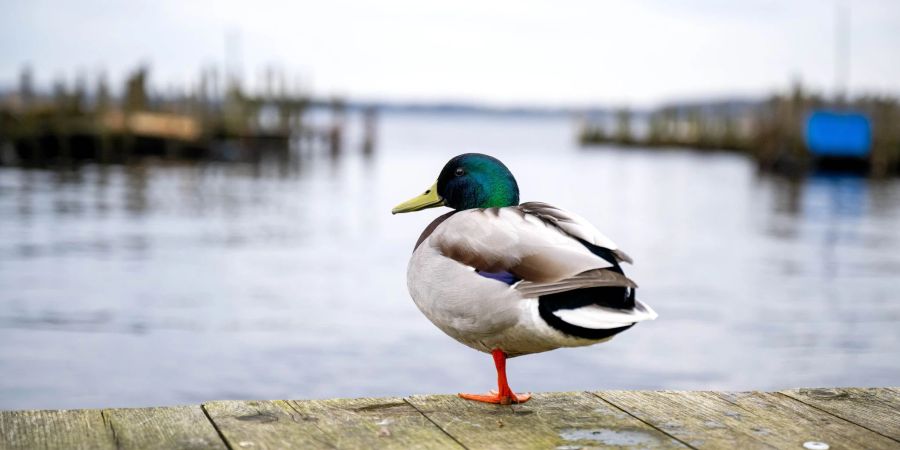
503, 395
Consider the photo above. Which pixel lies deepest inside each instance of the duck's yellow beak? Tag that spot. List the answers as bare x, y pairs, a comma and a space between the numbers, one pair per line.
429, 199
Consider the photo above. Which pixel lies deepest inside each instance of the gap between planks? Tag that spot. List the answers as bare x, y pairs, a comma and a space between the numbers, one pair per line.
641, 420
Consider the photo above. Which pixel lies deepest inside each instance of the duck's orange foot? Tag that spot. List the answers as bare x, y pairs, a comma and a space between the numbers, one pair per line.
495, 398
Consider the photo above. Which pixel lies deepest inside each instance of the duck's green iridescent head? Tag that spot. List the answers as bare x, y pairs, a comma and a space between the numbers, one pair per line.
470, 180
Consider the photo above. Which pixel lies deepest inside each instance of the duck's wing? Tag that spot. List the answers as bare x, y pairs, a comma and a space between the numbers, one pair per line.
588, 279
575, 226
539, 252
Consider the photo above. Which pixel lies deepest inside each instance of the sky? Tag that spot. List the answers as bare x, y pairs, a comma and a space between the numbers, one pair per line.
512, 53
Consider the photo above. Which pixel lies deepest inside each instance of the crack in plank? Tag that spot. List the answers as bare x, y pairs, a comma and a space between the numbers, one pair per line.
405, 399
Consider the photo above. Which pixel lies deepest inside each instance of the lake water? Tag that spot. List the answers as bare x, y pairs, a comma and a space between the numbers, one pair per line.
171, 284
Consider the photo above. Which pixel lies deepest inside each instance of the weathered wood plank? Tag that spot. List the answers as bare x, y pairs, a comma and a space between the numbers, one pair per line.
257, 424
799, 419
744, 420
840, 417
699, 419
182, 427
56, 429
877, 409
373, 422
353, 423
553, 420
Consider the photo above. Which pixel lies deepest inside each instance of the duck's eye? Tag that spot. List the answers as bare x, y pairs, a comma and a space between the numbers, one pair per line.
460, 172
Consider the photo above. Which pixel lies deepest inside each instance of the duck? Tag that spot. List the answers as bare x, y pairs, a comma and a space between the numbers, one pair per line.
511, 279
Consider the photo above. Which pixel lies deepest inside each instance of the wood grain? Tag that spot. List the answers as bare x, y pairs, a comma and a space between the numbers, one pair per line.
744, 420
55, 429
260, 424
551, 420
844, 418
874, 408
787, 417
351, 423
700, 419
181, 427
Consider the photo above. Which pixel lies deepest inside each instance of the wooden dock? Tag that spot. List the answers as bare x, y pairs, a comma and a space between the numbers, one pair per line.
839, 418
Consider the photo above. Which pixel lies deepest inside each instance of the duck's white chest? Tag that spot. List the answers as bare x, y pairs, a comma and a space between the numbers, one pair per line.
456, 298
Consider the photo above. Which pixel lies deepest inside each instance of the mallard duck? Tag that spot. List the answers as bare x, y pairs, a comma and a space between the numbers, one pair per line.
512, 279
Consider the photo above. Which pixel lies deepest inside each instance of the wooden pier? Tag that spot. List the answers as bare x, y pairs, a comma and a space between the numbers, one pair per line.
835, 418
207, 124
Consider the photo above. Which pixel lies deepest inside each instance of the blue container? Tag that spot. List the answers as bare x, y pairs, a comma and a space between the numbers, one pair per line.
838, 135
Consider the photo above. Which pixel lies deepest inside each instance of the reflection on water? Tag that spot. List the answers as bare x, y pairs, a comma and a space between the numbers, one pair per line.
164, 284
